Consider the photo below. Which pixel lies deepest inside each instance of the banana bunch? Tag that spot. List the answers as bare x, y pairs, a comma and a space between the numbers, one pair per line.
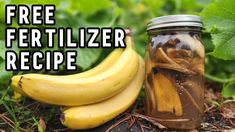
92, 97
90, 116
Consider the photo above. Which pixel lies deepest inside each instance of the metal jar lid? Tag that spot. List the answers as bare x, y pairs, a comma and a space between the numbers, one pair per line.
175, 21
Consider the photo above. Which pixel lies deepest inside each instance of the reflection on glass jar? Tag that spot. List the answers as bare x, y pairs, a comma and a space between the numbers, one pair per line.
175, 71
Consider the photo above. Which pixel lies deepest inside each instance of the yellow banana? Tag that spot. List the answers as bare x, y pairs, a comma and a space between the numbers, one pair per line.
90, 116
60, 90
106, 63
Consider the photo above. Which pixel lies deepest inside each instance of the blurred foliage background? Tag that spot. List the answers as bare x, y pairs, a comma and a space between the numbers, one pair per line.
135, 14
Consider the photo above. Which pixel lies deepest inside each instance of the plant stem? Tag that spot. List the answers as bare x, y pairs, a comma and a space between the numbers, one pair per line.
220, 80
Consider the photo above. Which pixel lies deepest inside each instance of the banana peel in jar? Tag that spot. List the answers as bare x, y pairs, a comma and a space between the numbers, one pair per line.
193, 43
148, 64
162, 57
167, 97
149, 91
170, 63
187, 59
198, 65
150, 94
195, 86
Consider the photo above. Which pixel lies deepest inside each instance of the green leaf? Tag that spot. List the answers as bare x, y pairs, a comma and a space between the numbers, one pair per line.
124, 3
2, 49
209, 47
89, 7
2, 30
86, 58
219, 68
106, 18
219, 19
2, 11
187, 6
154, 5
2, 19
229, 90
56, 2
4, 75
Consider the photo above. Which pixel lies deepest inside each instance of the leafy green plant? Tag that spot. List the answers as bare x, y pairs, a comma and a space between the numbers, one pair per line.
219, 21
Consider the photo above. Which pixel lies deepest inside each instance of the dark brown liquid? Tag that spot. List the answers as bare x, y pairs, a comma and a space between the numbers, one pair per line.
174, 80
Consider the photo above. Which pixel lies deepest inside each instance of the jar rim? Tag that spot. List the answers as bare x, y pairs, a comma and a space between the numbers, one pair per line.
181, 20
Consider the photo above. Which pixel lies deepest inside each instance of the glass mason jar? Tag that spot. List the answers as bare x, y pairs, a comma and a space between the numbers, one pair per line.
175, 71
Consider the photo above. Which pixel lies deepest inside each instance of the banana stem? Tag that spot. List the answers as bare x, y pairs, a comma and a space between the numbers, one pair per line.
128, 39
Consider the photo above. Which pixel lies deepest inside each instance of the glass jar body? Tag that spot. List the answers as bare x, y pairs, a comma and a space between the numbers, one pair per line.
174, 83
